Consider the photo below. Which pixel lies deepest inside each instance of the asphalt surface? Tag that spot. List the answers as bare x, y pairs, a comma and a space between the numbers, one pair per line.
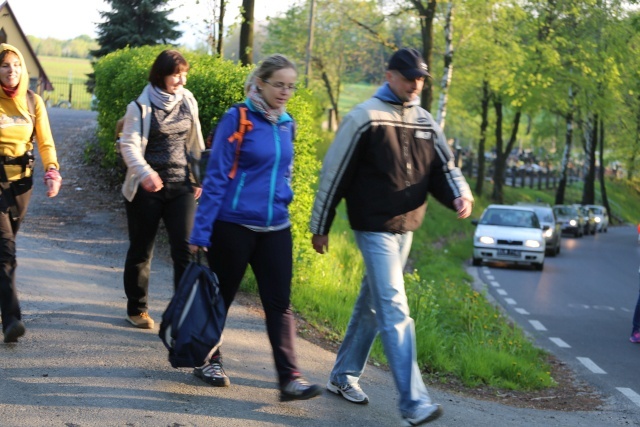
580, 307
80, 364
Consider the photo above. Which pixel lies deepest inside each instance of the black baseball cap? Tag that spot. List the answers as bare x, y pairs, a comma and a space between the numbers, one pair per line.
409, 63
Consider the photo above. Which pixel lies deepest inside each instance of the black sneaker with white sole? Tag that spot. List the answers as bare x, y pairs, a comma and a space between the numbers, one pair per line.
213, 373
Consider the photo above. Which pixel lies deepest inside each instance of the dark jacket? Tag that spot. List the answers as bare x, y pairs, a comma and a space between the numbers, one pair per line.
260, 193
385, 158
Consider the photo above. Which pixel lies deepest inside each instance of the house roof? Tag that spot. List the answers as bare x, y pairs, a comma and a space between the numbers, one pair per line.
41, 72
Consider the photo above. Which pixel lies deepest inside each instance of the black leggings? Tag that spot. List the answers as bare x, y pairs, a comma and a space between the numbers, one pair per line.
233, 247
9, 225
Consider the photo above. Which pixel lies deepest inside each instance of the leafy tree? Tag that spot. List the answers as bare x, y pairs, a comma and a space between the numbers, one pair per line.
341, 48
135, 23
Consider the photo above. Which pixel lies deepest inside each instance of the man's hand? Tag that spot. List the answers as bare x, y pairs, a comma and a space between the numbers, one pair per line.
463, 207
320, 243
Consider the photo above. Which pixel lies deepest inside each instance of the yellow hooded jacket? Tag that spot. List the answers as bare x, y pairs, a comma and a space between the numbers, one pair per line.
16, 127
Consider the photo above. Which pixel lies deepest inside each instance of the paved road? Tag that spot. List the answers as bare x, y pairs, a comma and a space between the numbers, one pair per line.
81, 365
580, 308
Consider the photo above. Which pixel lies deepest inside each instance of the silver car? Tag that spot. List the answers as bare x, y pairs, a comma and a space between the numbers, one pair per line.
551, 229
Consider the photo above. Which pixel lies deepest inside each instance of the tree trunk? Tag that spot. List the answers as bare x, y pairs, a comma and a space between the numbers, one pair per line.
566, 157
502, 155
426, 15
220, 44
603, 186
448, 67
246, 33
631, 166
591, 142
483, 136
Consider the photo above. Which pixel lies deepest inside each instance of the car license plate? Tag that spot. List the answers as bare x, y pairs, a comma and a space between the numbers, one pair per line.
509, 252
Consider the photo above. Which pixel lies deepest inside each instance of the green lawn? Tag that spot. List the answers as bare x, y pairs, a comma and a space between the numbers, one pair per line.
65, 68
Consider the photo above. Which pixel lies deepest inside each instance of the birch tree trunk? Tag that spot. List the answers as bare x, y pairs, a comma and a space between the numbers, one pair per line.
566, 155
483, 136
448, 67
590, 144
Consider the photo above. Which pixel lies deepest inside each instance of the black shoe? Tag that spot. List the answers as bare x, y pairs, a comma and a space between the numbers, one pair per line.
299, 389
14, 331
212, 373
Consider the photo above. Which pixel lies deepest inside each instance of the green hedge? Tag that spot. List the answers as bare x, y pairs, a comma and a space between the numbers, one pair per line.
121, 76
216, 84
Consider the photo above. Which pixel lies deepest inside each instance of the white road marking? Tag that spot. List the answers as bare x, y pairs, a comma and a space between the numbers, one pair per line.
632, 395
486, 270
510, 301
537, 325
625, 309
559, 342
490, 277
501, 291
521, 311
495, 284
604, 308
588, 363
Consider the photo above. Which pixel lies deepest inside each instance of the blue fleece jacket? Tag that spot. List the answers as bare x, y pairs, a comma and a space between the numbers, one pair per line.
260, 193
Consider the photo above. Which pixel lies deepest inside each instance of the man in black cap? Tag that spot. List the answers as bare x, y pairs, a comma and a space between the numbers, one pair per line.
387, 155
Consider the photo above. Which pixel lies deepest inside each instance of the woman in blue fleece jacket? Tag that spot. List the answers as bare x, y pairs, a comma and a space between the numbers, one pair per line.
243, 219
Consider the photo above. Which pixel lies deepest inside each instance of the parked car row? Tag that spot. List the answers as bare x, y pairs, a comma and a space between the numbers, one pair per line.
527, 232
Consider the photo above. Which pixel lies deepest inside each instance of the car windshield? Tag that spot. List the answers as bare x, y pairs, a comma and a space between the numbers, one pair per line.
596, 211
545, 215
510, 218
565, 211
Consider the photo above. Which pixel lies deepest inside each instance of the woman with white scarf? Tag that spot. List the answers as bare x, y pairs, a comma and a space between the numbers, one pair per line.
161, 144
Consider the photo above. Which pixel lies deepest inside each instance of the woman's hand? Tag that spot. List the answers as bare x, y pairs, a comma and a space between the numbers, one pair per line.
197, 192
53, 180
194, 249
152, 182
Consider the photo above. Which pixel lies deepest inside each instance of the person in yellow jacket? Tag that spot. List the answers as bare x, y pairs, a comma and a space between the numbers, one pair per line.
18, 126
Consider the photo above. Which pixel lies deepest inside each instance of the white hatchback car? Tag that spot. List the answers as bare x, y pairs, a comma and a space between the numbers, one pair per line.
509, 234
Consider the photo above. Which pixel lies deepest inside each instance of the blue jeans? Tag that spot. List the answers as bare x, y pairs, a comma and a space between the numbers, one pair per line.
382, 308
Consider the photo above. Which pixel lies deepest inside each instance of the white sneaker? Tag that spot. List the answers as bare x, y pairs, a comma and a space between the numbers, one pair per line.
351, 392
430, 413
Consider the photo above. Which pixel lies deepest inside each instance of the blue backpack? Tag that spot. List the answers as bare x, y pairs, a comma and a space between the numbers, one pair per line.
192, 323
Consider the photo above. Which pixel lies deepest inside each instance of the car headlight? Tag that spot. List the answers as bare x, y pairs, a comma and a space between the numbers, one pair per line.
532, 243
486, 240
597, 219
548, 233
573, 223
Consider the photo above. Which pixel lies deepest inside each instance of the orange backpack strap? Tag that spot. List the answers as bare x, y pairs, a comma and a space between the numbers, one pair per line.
244, 125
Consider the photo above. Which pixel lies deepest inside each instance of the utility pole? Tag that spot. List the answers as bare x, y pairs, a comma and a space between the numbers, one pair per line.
307, 70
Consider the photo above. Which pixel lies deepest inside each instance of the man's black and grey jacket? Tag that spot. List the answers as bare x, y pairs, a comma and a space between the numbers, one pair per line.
386, 157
